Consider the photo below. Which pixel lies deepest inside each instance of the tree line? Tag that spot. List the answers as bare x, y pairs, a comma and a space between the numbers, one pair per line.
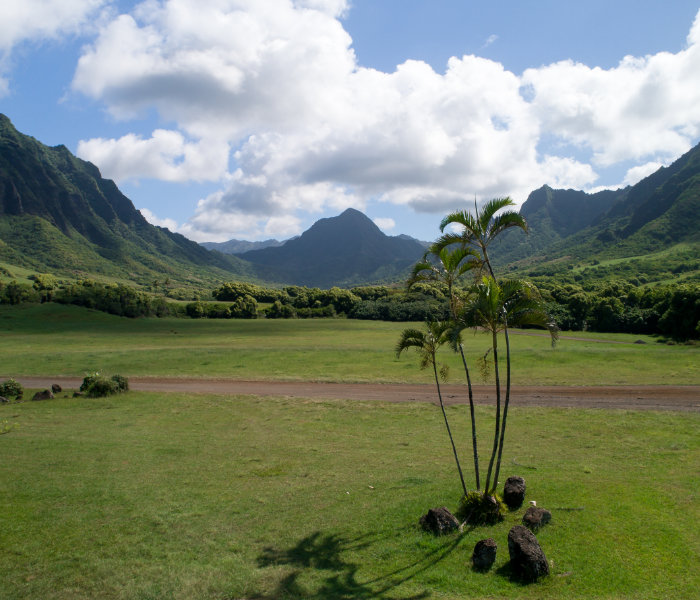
672, 311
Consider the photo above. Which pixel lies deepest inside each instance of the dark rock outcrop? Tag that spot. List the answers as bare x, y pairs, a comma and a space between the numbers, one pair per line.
439, 521
55, 388
536, 517
527, 560
484, 554
514, 492
44, 395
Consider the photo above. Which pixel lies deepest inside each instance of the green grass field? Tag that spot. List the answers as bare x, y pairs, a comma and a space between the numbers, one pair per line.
151, 496
171, 496
52, 339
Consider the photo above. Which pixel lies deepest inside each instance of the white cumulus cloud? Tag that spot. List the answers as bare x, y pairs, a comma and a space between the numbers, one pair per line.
385, 223
636, 174
154, 220
166, 156
268, 98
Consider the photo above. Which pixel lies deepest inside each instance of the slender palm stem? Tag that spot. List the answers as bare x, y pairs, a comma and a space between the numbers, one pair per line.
449, 432
498, 413
471, 411
487, 262
505, 409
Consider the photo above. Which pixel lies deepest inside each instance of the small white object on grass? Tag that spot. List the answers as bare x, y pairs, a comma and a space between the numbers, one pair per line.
533, 503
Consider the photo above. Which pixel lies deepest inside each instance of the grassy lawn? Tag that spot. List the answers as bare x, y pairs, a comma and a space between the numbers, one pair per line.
64, 340
155, 496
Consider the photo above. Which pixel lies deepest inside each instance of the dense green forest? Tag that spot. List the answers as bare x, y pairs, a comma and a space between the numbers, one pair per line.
669, 310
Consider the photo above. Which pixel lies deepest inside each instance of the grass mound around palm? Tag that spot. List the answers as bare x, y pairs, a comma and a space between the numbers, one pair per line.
478, 508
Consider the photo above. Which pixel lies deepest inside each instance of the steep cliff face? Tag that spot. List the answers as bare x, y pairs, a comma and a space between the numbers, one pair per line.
60, 214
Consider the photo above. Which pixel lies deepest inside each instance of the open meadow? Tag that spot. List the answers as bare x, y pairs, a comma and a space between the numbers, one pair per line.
203, 496
52, 339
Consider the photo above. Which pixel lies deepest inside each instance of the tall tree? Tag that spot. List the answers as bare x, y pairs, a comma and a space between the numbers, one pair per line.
446, 266
427, 344
495, 307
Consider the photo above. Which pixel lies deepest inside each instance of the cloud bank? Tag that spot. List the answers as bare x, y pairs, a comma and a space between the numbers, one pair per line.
269, 99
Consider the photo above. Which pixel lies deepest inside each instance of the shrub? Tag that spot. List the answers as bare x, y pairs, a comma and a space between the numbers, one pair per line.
101, 387
88, 380
477, 509
195, 310
98, 386
11, 389
122, 383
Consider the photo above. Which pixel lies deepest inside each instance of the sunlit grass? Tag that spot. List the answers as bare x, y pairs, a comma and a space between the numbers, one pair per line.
171, 496
64, 340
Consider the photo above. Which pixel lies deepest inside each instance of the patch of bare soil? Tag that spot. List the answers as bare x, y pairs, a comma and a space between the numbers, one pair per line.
657, 397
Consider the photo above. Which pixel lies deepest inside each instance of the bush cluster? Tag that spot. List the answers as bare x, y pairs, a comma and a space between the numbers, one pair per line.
622, 307
11, 389
116, 299
96, 385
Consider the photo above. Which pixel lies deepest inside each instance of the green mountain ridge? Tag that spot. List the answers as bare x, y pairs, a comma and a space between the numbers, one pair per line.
59, 215
567, 227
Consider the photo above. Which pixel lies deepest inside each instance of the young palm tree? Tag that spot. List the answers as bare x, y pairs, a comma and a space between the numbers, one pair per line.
446, 267
495, 308
522, 306
481, 228
427, 345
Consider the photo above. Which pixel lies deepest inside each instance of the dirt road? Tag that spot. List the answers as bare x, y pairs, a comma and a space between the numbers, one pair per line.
677, 398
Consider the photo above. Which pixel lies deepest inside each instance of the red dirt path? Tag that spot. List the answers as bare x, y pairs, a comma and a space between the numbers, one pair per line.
659, 397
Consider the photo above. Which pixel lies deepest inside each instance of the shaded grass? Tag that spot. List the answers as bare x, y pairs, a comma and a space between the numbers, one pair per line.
175, 496
64, 340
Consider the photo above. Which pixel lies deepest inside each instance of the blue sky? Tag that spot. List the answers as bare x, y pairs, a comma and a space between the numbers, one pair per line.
252, 119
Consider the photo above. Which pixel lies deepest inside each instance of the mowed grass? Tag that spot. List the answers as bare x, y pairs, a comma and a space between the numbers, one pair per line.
52, 339
189, 497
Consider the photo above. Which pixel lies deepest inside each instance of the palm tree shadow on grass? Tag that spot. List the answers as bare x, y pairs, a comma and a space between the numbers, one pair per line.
324, 552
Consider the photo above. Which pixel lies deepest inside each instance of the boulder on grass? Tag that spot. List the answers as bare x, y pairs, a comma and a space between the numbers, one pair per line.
3, 399
484, 554
439, 521
514, 492
45, 395
527, 560
536, 517
55, 388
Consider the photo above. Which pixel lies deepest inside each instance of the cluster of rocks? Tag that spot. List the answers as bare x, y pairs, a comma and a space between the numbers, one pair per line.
527, 559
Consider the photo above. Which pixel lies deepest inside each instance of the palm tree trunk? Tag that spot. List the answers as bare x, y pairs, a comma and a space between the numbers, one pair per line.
471, 412
444, 414
505, 408
496, 435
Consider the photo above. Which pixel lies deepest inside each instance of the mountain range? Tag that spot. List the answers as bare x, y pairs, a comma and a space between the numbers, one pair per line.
58, 215
657, 217
240, 246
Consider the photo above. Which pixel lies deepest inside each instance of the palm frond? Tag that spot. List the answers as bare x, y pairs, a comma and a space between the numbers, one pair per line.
506, 220
490, 208
410, 338
459, 217
422, 271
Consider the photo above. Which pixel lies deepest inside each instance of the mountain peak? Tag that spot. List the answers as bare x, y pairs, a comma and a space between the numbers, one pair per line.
348, 249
